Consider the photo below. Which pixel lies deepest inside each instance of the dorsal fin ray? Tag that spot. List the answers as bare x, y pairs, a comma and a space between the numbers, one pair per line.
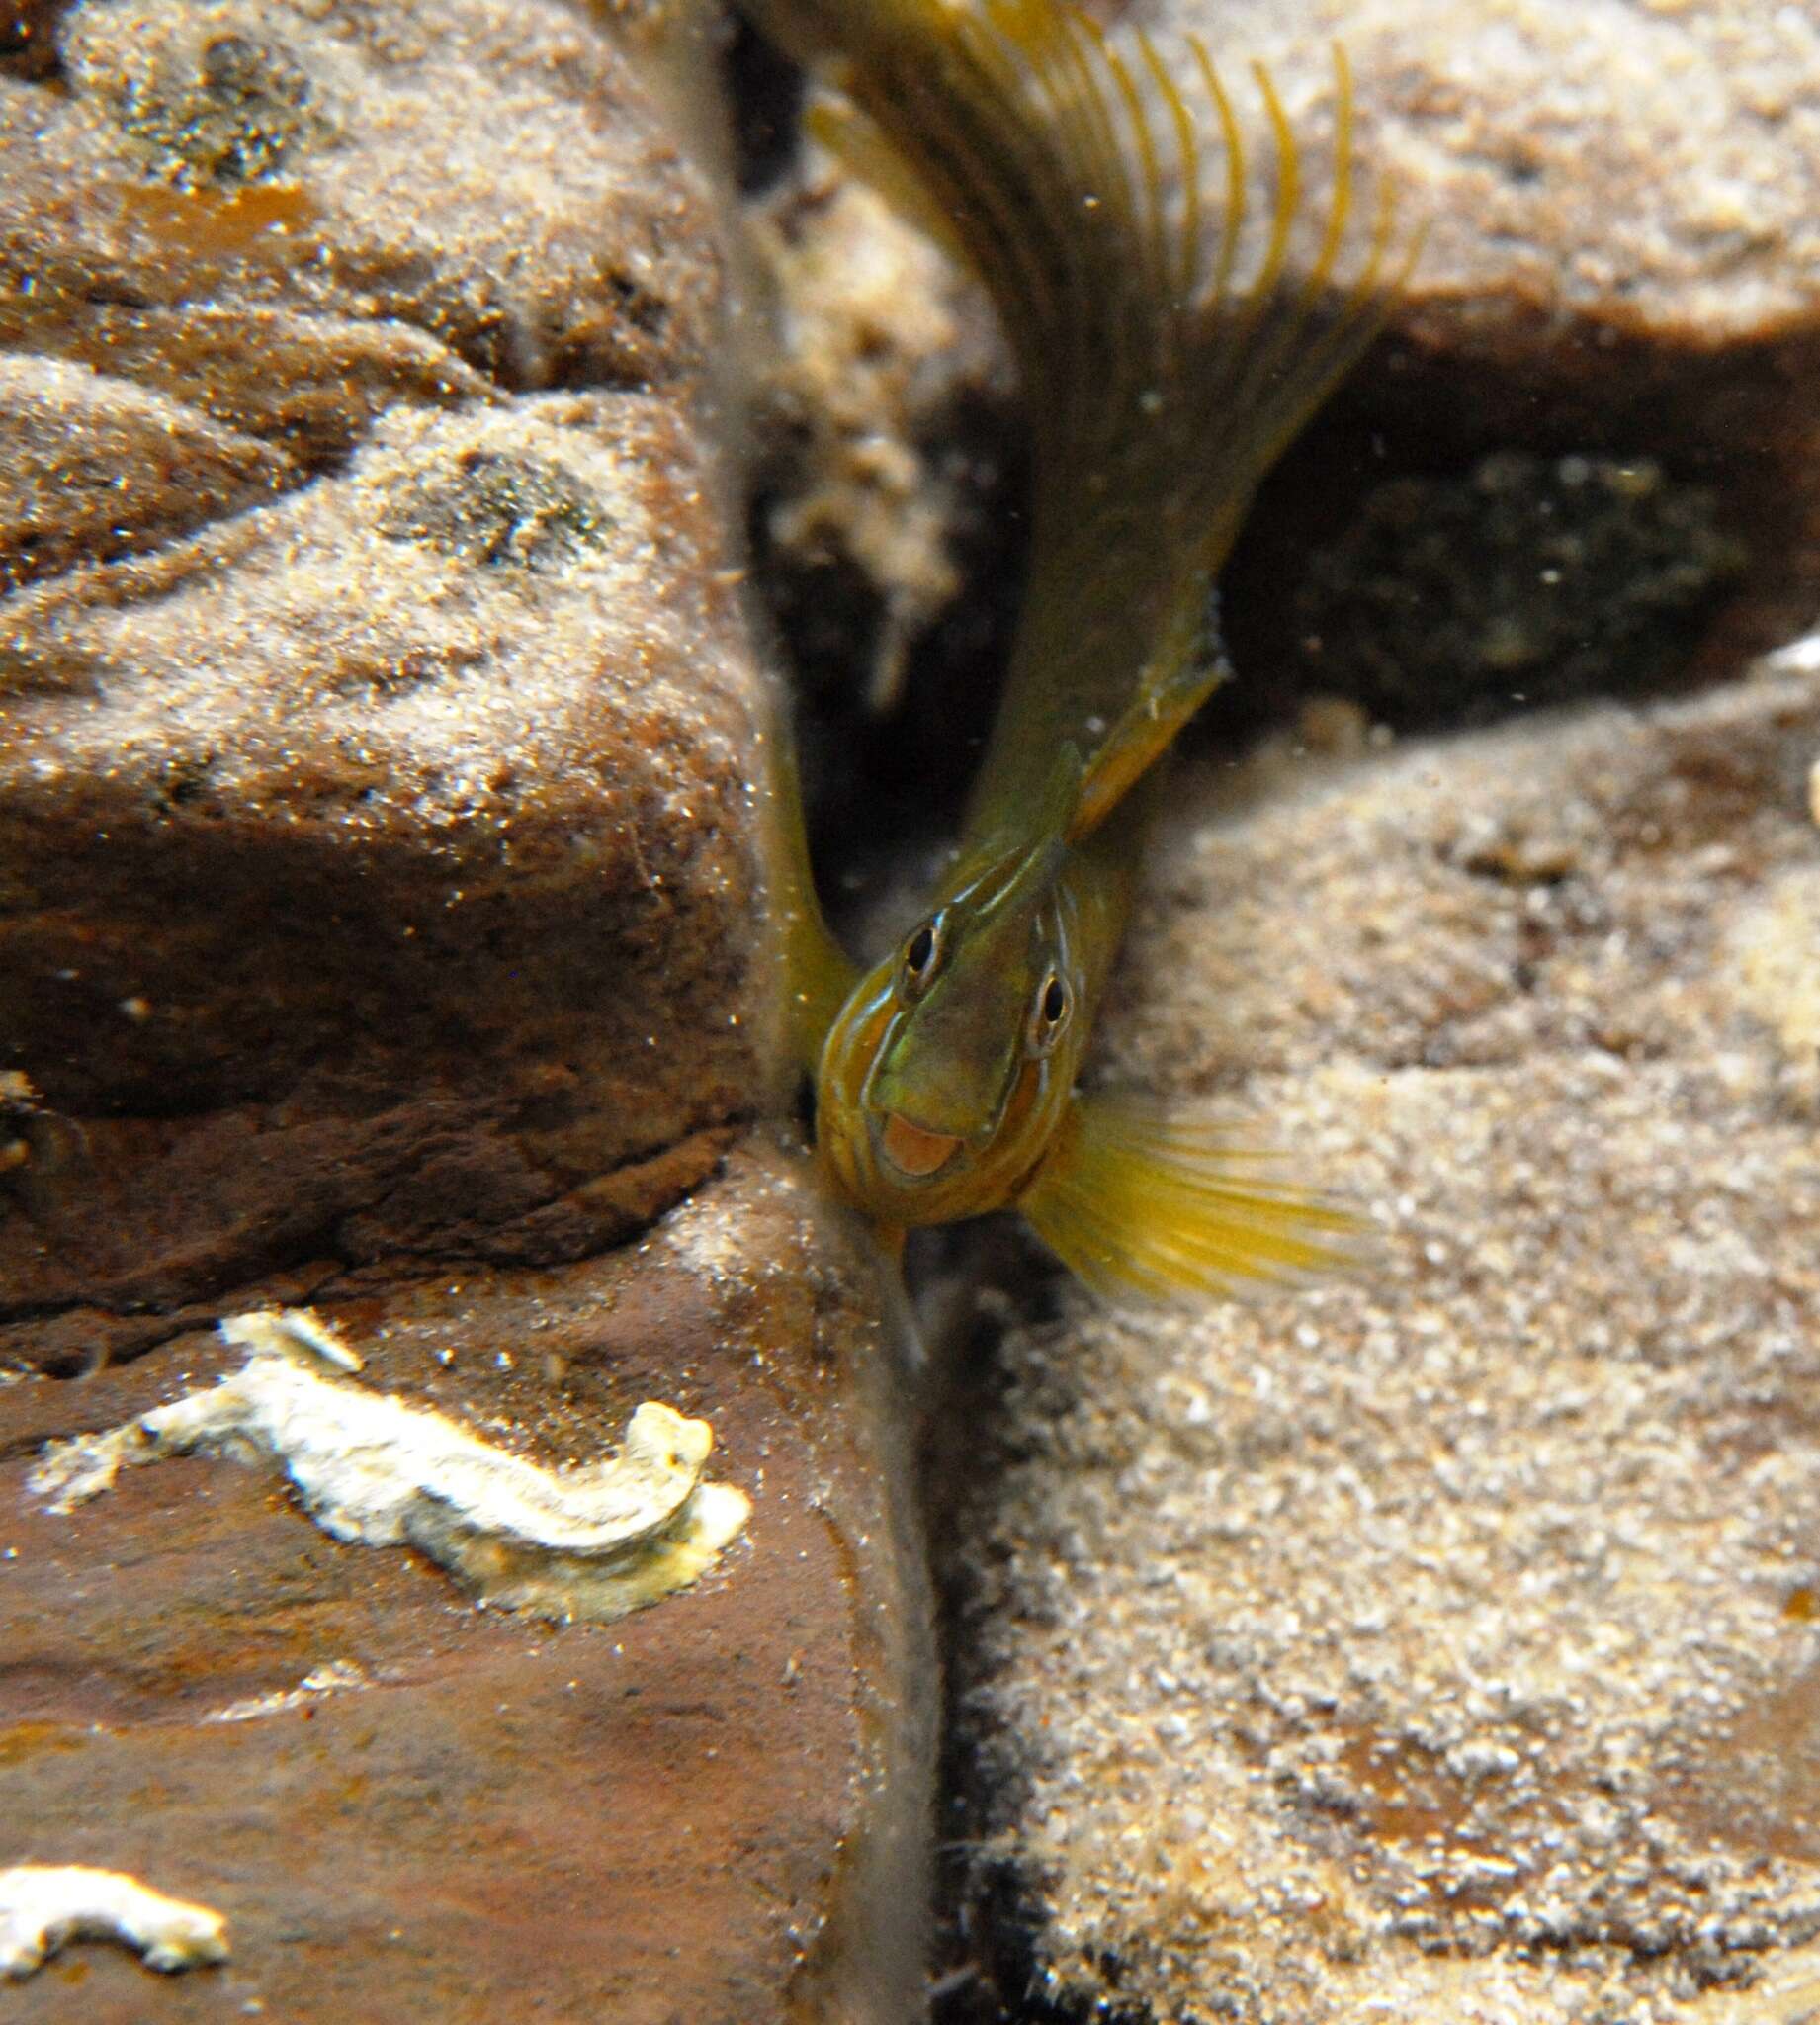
1168, 353
857, 142
1130, 534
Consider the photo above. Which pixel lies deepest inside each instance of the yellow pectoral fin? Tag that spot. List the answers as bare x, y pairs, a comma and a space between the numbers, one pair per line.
818, 976
1143, 1203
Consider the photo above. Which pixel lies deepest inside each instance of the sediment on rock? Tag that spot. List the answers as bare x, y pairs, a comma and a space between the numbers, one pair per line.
1442, 1641
383, 927
376, 802
713, 1809
379, 868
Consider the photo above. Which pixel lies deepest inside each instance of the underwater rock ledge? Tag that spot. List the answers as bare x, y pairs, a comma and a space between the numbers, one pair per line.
383, 927
1444, 1643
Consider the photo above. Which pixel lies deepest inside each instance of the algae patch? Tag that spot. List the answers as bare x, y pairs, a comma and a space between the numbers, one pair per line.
593, 1542
1524, 579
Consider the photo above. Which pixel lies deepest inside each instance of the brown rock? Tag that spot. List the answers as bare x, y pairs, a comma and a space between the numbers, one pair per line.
381, 925
367, 856
708, 1811
379, 866
1620, 260
1647, 171
1441, 1645
292, 216
93, 468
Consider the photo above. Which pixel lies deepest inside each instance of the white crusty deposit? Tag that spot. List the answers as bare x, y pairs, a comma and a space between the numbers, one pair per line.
43, 1905
593, 1542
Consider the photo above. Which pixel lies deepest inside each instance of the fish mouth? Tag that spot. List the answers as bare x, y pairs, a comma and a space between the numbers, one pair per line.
911, 1150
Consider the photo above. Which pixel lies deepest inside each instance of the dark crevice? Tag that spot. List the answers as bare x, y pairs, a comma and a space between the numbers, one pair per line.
765, 91
1445, 594
28, 41
105, 292
990, 1904
887, 790
1440, 553
312, 1261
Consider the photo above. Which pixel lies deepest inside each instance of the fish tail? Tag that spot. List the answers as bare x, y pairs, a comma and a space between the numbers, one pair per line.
1142, 1202
863, 148
1169, 336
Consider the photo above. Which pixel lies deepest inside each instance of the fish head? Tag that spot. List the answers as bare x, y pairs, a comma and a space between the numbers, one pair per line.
946, 1072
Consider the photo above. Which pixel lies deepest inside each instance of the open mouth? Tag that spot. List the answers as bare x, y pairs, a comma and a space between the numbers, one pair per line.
912, 1151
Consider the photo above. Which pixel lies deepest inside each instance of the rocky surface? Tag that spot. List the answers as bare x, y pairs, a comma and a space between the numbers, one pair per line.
380, 866
381, 925
408, 1808
376, 723
290, 217
1443, 1645
1618, 260
1647, 170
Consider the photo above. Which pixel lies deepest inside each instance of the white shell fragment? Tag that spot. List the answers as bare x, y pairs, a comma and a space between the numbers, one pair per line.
594, 1541
43, 1905
335, 1677
281, 1329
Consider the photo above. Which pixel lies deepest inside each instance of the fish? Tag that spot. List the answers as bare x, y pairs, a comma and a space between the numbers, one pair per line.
1165, 360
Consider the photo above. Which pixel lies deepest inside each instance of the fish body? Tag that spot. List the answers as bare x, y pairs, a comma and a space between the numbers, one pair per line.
1165, 364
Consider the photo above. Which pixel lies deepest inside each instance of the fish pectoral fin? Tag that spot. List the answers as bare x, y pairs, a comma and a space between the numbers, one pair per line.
815, 974
1143, 1202
1165, 702
817, 977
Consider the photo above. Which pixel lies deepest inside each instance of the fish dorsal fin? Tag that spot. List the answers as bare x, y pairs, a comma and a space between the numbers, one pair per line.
1142, 255
1101, 189
858, 142
1137, 504
1143, 1202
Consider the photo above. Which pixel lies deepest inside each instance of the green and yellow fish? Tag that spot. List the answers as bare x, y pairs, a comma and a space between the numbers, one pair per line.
1163, 368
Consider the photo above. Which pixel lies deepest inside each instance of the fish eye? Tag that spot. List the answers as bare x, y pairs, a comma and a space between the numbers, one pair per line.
1050, 1013
921, 954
